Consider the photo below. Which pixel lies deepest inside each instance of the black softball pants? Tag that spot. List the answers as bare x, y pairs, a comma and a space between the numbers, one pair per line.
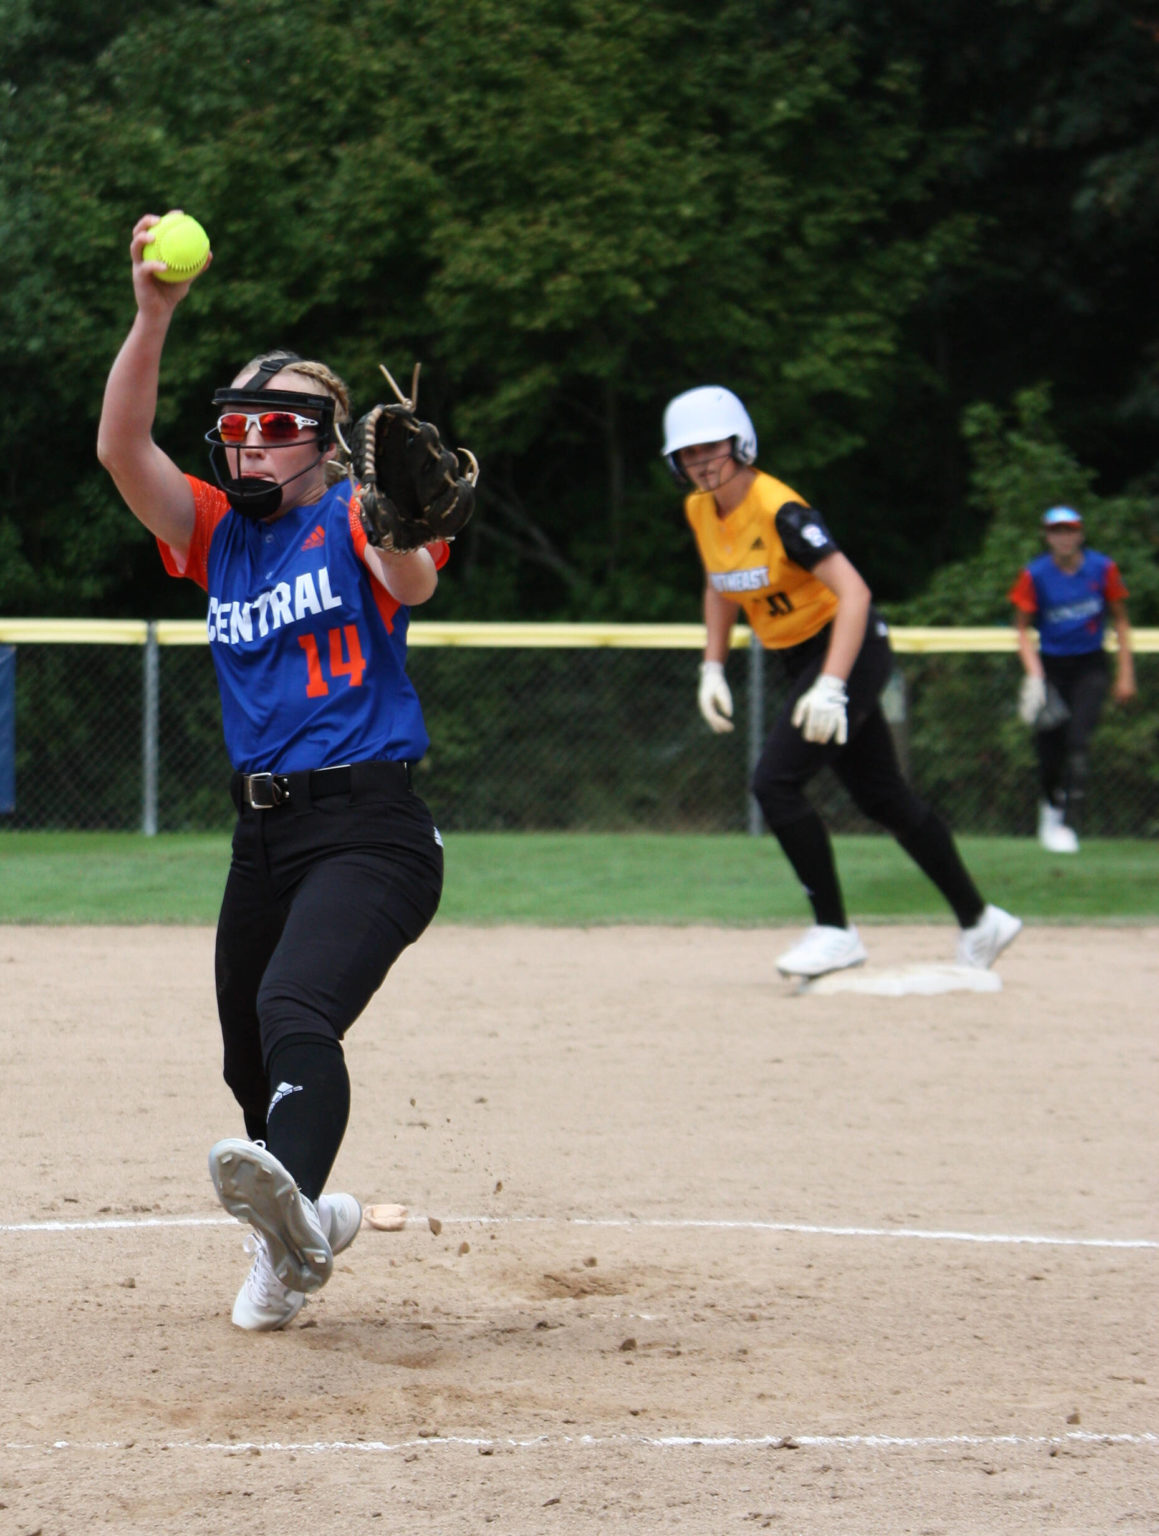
322, 897
1064, 753
867, 766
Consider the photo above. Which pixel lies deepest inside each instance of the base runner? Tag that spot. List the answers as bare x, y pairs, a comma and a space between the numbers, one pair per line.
767, 553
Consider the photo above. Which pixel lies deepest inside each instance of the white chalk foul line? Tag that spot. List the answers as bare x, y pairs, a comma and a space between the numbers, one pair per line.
117, 1224
804, 1229
808, 1230
789, 1442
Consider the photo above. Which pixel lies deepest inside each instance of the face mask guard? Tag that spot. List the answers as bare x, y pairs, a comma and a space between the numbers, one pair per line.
249, 495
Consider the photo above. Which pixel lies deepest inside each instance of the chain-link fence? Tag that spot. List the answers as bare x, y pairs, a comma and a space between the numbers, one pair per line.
117, 726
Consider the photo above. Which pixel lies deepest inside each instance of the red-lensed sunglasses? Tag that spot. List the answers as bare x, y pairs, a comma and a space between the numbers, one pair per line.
274, 426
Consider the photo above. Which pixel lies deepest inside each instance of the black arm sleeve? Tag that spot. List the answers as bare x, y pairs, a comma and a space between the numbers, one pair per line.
803, 532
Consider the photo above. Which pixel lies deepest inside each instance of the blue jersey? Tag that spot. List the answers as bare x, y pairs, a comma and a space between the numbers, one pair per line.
310, 650
1069, 607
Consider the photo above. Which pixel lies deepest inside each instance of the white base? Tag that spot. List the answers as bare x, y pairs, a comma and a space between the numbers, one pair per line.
904, 981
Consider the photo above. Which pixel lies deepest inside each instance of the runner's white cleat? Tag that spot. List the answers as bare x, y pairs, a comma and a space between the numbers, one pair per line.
254, 1187
822, 950
981, 945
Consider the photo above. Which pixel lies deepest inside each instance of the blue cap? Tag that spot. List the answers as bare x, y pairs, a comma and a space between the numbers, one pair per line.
1061, 517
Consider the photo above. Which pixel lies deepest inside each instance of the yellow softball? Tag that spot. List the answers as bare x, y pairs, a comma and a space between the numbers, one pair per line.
182, 244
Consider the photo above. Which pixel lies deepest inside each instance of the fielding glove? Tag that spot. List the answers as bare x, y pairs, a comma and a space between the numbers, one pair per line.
713, 697
411, 490
820, 713
1031, 699
1055, 712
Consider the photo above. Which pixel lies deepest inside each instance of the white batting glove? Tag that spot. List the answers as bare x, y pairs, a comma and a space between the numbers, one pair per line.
713, 697
820, 713
1031, 699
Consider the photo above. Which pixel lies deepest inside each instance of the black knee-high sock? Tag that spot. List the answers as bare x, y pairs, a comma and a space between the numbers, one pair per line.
808, 849
932, 849
255, 1123
1076, 789
309, 1107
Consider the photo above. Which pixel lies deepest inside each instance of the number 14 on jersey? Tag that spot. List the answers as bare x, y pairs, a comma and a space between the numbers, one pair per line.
341, 650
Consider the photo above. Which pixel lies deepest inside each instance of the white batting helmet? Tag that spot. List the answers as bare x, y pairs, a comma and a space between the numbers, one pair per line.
707, 415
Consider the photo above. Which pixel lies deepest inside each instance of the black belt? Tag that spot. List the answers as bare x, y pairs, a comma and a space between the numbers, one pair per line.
267, 791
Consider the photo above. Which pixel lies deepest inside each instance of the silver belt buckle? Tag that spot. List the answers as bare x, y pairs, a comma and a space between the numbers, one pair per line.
263, 793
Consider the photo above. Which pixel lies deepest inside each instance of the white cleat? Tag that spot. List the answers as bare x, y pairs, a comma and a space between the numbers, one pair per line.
1053, 833
254, 1187
822, 950
341, 1218
980, 946
264, 1303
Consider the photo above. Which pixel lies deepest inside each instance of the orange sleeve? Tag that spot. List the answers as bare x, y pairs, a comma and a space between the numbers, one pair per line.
1022, 593
209, 507
1115, 590
439, 551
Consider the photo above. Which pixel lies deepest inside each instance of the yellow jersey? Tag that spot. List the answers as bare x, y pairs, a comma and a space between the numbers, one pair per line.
762, 556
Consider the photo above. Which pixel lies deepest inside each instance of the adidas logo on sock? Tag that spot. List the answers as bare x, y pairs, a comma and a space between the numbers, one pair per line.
316, 538
281, 1092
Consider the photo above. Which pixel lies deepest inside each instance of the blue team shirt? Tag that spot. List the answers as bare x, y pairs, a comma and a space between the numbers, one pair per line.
310, 650
1069, 608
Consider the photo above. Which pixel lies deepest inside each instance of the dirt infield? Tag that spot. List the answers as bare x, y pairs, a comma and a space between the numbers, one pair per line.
685, 1252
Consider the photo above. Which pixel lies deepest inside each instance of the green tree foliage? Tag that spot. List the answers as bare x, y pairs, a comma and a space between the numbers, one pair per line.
554, 205
570, 210
1056, 103
1021, 467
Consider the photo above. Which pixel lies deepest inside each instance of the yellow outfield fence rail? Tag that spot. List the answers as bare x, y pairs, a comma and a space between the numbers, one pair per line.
906, 640
114, 723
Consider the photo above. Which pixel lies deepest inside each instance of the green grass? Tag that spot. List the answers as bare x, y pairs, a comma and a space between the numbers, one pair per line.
578, 879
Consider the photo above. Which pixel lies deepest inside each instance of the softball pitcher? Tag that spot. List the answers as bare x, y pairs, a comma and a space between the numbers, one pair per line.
336, 865
767, 553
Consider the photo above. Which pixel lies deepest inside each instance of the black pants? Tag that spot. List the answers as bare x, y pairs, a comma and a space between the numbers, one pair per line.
867, 766
322, 897
1063, 754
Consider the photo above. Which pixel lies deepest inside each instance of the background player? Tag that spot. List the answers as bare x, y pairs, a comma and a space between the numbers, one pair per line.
1067, 594
336, 865
765, 551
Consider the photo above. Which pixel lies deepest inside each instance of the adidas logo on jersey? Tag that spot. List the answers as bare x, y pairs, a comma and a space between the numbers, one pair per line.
758, 543
316, 539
